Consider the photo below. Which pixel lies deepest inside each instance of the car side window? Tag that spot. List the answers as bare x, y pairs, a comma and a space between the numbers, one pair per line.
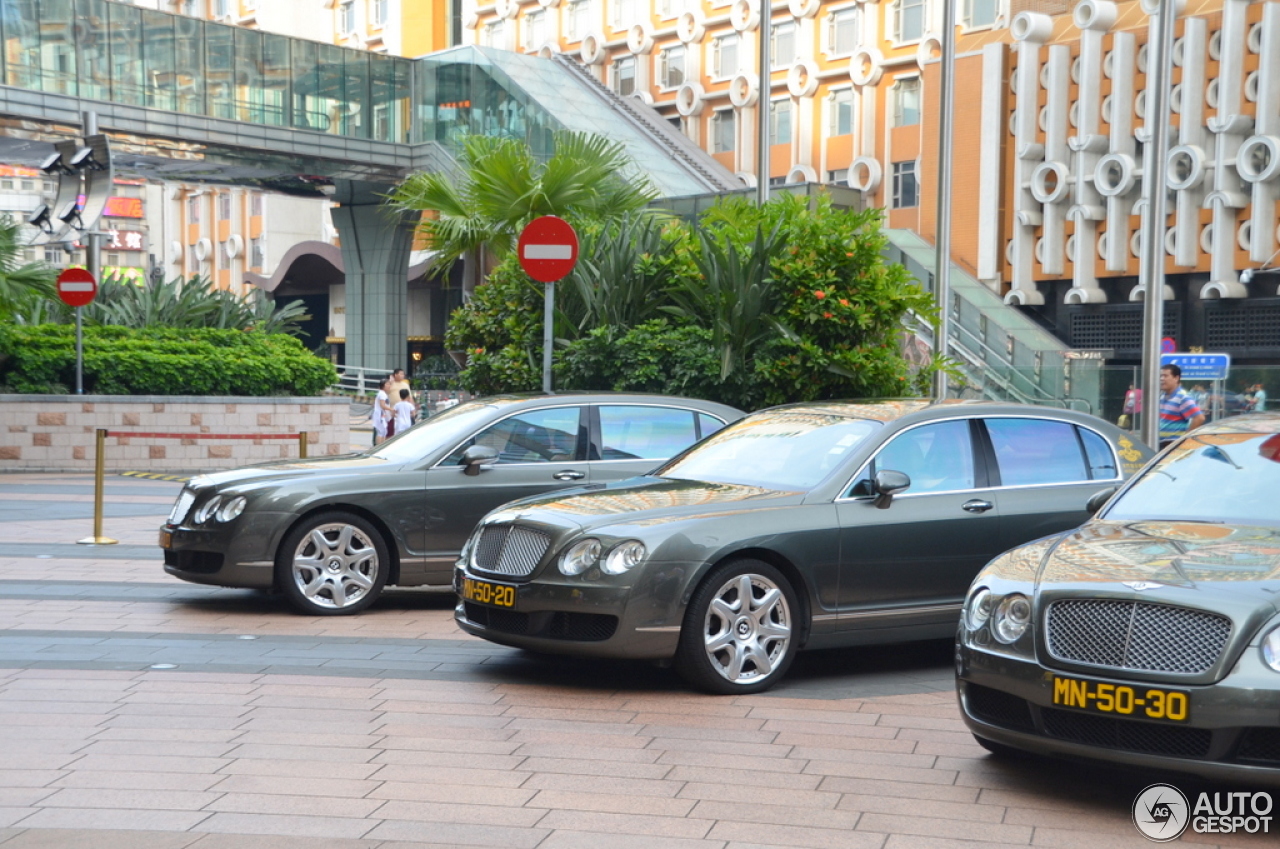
937, 457
1102, 459
1032, 452
708, 425
538, 436
636, 432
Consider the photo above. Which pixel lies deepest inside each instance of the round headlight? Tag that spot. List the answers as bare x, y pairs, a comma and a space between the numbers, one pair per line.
1271, 649
231, 509
1012, 618
628, 555
206, 510
979, 608
580, 557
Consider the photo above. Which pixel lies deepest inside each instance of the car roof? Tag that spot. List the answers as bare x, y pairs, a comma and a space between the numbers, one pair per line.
538, 399
1244, 423
923, 409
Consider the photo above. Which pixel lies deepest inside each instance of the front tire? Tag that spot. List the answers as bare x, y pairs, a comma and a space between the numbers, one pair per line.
334, 564
740, 630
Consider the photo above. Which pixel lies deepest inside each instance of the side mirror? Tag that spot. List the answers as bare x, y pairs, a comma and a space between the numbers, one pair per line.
1095, 502
887, 484
475, 457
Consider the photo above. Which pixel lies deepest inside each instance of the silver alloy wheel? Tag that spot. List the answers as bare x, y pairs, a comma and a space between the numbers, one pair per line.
748, 628
335, 565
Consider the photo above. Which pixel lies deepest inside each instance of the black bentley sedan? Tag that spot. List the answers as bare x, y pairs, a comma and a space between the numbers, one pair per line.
1149, 637
331, 532
809, 525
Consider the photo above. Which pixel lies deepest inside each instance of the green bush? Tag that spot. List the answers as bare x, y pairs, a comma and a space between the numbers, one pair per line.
161, 361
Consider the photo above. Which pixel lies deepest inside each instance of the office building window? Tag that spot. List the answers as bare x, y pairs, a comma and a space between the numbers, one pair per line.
782, 44
841, 112
842, 31
908, 20
257, 253
671, 67
256, 202
347, 17
906, 102
623, 75
224, 207
535, 30
577, 19
980, 13
906, 191
724, 56
53, 254
628, 12
723, 130
840, 176
193, 210
221, 8
491, 36
780, 122
379, 12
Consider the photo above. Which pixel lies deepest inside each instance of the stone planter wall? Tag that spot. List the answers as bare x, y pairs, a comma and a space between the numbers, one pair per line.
56, 433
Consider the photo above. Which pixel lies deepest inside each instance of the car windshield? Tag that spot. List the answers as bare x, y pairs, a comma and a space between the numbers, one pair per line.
440, 431
787, 449
1217, 477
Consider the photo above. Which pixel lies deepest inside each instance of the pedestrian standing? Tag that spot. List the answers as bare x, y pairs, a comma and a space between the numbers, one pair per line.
404, 412
382, 412
1179, 413
1259, 398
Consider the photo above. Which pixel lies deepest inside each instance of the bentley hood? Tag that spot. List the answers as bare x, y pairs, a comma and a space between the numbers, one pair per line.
279, 472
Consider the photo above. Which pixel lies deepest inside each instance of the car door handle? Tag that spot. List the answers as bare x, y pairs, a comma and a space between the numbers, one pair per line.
977, 505
569, 475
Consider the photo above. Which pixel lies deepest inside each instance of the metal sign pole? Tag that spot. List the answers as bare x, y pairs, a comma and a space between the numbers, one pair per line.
548, 314
1151, 270
942, 243
79, 352
764, 103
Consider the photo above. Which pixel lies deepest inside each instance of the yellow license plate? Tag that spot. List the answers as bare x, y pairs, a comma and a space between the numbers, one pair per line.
1136, 701
166, 539
484, 592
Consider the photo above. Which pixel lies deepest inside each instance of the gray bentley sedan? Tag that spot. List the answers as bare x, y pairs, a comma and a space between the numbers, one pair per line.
1149, 637
331, 532
803, 526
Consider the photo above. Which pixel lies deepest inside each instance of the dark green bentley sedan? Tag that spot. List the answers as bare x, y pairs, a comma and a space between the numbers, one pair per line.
804, 526
331, 532
1149, 637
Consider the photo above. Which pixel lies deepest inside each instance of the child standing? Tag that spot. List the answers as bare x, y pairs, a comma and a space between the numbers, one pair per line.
404, 412
382, 412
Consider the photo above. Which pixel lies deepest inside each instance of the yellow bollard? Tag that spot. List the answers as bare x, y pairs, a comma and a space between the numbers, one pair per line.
99, 463
302, 445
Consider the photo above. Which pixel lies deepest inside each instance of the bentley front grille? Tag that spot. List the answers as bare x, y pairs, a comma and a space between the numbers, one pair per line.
1138, 636
509, 550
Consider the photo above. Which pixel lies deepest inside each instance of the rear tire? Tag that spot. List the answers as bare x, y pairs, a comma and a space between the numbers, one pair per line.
740, 630
333, 564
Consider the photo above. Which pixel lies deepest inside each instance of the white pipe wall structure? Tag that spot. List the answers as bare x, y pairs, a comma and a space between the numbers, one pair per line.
1094, 17
1051, 180
990, 238
1030, 30
1115, 175
1258, 160
1187, 162
1230, 128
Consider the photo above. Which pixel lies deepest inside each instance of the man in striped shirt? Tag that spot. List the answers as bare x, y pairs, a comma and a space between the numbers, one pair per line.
1179, 412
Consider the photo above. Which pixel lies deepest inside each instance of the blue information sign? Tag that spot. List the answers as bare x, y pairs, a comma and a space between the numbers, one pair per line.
1199, 366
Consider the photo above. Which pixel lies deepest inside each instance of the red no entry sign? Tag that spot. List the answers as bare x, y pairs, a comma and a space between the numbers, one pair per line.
548, 248
76, 287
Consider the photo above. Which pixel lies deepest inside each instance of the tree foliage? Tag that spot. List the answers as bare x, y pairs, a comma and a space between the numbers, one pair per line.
753, 306
23, 286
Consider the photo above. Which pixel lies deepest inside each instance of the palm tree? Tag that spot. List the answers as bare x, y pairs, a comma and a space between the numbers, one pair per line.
21, 284
501, 186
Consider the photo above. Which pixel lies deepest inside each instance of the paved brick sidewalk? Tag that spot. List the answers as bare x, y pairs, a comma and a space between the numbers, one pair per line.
466, 745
